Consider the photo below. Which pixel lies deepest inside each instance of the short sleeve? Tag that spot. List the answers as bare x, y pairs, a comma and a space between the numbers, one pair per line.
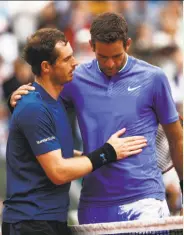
163, 102
37, 124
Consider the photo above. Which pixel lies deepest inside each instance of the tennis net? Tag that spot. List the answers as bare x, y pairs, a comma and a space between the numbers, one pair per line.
164, 226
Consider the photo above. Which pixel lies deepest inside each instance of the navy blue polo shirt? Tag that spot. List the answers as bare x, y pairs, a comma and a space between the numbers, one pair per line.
39, 124
138, 97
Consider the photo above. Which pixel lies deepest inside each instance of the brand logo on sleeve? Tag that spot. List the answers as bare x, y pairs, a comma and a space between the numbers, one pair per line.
46, 140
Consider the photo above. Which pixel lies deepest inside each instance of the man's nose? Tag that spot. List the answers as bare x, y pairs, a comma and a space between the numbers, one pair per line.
110, 63
74, 62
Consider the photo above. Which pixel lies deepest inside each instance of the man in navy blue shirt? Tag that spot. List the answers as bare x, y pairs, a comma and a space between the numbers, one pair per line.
40, 146
117, 90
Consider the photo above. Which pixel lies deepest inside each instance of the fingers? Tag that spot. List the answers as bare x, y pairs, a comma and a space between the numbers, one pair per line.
133, 138
17, 97
14, 99
132, 147
13, 104
27, 87
136, 142
130, 153
22, 90
136, 147
120, 132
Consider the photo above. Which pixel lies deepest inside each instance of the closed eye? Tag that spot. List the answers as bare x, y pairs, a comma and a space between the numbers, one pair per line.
68, 58
116, 56
104, 57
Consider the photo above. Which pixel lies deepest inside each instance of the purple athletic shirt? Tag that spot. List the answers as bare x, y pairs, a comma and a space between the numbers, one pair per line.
138, 97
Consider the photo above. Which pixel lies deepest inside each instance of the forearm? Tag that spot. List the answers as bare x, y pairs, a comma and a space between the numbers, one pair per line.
174, 133
73, 168
61, 170
176, 150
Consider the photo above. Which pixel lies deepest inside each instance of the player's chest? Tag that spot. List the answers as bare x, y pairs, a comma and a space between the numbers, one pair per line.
62, 125
110, 96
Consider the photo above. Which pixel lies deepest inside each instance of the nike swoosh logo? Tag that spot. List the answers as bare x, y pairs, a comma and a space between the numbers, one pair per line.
133, 88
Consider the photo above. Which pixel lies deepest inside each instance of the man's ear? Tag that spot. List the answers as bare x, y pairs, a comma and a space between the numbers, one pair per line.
128, 44
92, 45
45, 67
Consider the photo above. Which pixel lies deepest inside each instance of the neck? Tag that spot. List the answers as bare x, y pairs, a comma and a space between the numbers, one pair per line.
52, 89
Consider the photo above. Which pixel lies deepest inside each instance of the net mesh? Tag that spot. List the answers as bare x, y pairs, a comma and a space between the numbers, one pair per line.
164, 161
165, 226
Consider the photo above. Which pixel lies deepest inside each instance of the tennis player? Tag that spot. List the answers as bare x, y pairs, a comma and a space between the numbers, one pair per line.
122, 90
40, 146
112, 91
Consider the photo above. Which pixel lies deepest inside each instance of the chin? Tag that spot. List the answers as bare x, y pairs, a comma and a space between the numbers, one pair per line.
110, 74
69, 79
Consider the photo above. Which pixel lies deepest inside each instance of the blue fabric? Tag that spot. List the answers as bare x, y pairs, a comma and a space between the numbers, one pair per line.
39, 125
137, 98
139, 210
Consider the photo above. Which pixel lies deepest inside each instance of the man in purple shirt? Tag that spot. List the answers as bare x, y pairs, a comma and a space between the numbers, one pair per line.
116, 90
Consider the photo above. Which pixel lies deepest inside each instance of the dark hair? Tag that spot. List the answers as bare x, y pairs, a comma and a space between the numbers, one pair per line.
109, 27
40, 47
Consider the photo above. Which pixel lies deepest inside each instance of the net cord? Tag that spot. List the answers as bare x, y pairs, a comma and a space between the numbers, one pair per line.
169, 223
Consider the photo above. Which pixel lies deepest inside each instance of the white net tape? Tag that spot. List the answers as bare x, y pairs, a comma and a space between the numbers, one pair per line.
169, 223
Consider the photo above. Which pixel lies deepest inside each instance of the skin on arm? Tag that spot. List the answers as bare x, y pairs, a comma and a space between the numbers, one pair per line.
174, 133
77, 153
60, 170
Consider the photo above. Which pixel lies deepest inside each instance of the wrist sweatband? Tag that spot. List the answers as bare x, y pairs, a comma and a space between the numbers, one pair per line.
181, 185
102, 156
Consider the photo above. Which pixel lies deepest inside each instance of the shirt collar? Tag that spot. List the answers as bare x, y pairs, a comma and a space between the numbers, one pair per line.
127, 57
44, 94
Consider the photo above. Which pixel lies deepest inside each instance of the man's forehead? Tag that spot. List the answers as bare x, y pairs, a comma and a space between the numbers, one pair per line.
63, 49
109, 49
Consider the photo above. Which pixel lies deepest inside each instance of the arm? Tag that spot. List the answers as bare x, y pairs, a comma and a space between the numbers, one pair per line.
167, 115
17, 94
174, 135
38, 126
60, 170
24, 90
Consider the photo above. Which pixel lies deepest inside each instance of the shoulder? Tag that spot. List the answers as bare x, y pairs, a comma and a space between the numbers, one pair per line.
31, 106
85, 66
150, 70
84, 69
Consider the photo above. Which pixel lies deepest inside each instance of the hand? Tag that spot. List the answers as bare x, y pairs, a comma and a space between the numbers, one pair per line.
22, 90
127, 146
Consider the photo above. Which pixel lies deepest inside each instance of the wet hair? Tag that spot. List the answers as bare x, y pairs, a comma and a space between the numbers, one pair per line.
108, 28
41, 47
